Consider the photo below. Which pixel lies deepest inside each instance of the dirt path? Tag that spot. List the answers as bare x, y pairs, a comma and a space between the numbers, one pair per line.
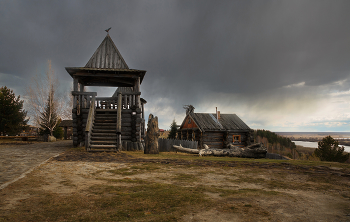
18, 159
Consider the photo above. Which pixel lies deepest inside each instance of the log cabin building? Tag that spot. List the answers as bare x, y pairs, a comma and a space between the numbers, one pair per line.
214, 129
107, 123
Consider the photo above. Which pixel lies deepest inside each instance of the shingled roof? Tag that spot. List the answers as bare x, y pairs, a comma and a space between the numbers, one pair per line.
107, 56
226, 122
122, 90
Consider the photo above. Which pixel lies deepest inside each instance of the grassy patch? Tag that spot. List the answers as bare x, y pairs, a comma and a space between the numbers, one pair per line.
125, 180
136, 169
192, 157
124, 171
227, 192
113, 203
67, 182
183, 177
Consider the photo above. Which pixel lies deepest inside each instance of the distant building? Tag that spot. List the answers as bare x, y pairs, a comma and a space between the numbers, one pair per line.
30, 131
215, 130
67, 125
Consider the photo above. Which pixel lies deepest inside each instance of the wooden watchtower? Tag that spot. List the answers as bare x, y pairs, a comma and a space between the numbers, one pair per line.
107, 123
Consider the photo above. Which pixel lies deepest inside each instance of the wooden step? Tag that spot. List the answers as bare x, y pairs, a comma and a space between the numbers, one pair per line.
104, 124
103, 142
103, 134
104, 137
105, 127
102, 150
106, 116
104, 131
103, 146
105, 121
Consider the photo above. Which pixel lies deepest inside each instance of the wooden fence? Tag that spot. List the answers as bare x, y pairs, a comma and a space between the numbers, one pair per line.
166, 145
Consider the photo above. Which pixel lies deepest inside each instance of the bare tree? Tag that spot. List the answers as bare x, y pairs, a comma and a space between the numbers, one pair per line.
66, 104
49, 118
42, 97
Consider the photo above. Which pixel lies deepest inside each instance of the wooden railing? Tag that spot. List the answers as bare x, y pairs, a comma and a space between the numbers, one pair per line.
128, 99
82, 100
89, 124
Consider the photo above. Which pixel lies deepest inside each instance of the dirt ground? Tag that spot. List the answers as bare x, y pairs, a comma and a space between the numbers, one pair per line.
231, 190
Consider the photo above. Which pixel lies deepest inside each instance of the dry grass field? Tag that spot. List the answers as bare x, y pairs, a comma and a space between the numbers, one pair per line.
131, 186
16, 142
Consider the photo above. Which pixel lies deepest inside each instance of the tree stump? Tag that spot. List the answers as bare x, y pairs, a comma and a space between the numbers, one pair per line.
151, 140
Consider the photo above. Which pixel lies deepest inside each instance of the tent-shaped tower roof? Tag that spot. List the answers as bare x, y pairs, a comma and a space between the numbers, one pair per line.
107, 56
106, 67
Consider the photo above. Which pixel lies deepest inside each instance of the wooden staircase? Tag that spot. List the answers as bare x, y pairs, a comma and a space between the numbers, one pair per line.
104, 135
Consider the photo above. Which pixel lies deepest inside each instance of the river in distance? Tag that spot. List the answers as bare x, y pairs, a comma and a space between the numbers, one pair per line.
315, 145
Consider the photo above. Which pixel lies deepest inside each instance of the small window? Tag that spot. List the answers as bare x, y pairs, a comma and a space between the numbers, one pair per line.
189, 121
236, 138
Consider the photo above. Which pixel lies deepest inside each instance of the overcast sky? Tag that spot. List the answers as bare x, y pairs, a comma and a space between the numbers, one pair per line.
279, 65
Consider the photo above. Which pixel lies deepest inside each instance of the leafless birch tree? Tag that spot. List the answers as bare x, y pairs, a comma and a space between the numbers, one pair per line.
42, 96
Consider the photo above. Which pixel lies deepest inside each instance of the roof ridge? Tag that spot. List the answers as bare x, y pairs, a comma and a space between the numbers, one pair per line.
107, 55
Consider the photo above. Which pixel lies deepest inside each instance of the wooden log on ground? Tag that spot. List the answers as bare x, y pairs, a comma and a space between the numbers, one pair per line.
186, 150
253, 151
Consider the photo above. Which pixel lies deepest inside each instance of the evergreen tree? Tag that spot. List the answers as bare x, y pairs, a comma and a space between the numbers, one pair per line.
12, 116
49, 118
173, 130
329, 150
273, 138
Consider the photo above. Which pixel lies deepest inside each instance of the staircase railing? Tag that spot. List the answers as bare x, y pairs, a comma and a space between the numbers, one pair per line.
89, 124
82, 100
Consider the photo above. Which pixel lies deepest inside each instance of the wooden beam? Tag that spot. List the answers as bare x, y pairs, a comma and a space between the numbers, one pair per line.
81, 87
119, 120
75, 93
131, 75
75, 84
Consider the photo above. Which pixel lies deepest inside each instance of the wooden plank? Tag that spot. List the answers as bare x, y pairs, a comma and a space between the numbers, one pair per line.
76, 93
126, 115
126, 129
126, 137
127, 111
126, 120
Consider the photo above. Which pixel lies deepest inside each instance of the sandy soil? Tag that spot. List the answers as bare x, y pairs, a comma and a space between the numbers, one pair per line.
284, 192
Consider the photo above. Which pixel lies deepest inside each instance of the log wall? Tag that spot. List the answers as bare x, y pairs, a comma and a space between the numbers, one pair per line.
79, 123
131, 124
214, 139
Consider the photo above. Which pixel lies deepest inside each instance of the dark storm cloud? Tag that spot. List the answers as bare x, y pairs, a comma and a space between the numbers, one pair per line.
192, 50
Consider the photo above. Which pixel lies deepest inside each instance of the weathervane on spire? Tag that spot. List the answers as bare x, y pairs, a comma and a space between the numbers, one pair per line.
107, 30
